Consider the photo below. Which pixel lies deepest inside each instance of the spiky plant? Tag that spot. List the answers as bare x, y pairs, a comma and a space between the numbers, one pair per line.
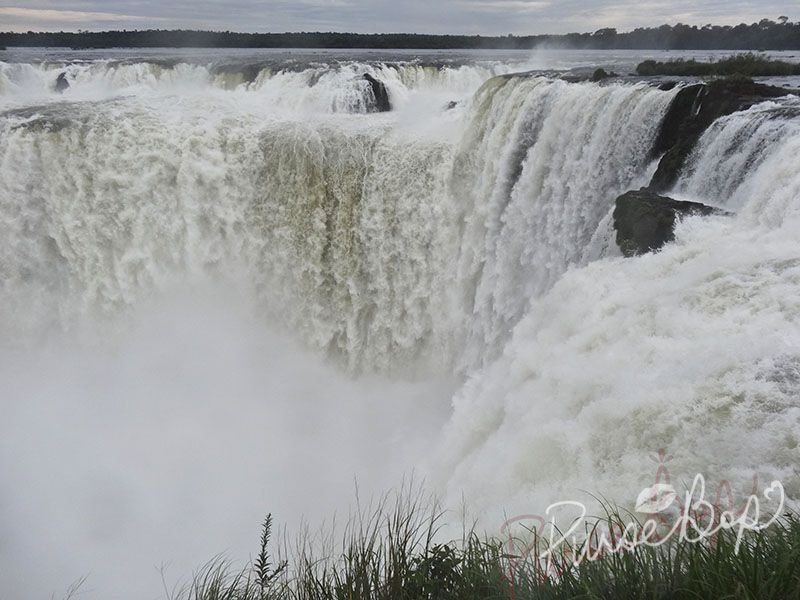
266, 575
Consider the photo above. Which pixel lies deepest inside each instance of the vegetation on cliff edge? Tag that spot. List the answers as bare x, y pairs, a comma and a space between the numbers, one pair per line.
742, 65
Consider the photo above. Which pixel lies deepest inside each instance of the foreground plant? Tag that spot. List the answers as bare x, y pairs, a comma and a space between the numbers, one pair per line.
390, 554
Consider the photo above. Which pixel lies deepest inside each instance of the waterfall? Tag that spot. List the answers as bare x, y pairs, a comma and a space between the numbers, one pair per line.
285, 85
693, 349
288, 289
746, 162
536, 176
380, 246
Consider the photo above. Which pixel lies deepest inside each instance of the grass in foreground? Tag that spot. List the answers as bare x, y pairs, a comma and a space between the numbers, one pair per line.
747, 65
390, 554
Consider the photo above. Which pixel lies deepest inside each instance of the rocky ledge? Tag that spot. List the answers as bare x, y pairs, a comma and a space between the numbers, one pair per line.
380, 95
645, 221
693, 110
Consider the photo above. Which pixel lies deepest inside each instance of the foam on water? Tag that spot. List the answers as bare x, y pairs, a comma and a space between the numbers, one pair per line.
321, 88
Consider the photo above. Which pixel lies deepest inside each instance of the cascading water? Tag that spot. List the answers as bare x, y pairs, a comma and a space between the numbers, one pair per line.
744, 163
538, 172
625, 357
472, 242
376, 243
318, 88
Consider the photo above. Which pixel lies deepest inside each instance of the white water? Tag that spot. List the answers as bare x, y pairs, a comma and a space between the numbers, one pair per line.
694, 349
374, 239
181, 253
317, 88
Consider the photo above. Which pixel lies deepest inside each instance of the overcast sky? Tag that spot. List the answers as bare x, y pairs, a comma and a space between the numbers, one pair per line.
372, 16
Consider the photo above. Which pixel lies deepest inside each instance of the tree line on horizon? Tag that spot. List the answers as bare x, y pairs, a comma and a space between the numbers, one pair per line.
764, 35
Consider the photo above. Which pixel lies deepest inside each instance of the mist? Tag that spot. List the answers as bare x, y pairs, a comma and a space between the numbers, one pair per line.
167, 443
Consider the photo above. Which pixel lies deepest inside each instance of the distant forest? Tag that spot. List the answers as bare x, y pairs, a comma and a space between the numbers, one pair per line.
764, 35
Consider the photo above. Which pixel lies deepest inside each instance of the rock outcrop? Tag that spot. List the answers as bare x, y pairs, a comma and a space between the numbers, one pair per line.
601, 74
693, 110
381, 94
645, 221
61, 83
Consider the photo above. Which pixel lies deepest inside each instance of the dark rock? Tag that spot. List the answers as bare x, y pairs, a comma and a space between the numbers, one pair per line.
451, 105
601, 74
693, 110
249, 72
381, 94
679, 115
667, 86
645, 221
61, 83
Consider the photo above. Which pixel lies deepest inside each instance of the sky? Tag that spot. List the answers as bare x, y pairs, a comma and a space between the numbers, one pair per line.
491, 17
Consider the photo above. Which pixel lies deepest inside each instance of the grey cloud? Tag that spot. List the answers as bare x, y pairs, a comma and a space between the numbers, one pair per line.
365, 16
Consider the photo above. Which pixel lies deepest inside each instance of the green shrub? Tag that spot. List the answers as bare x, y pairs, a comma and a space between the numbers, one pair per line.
747, 65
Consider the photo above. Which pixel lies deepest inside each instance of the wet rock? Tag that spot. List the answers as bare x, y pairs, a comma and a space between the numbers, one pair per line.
574, 78
601, 74
645, 221
61, 83
381, 94
451, 105
693, 110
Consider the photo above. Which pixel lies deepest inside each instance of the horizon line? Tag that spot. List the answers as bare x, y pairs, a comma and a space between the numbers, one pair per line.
385, 33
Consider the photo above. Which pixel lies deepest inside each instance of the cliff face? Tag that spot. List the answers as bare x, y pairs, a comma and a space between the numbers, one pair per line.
645, 219
693, 110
